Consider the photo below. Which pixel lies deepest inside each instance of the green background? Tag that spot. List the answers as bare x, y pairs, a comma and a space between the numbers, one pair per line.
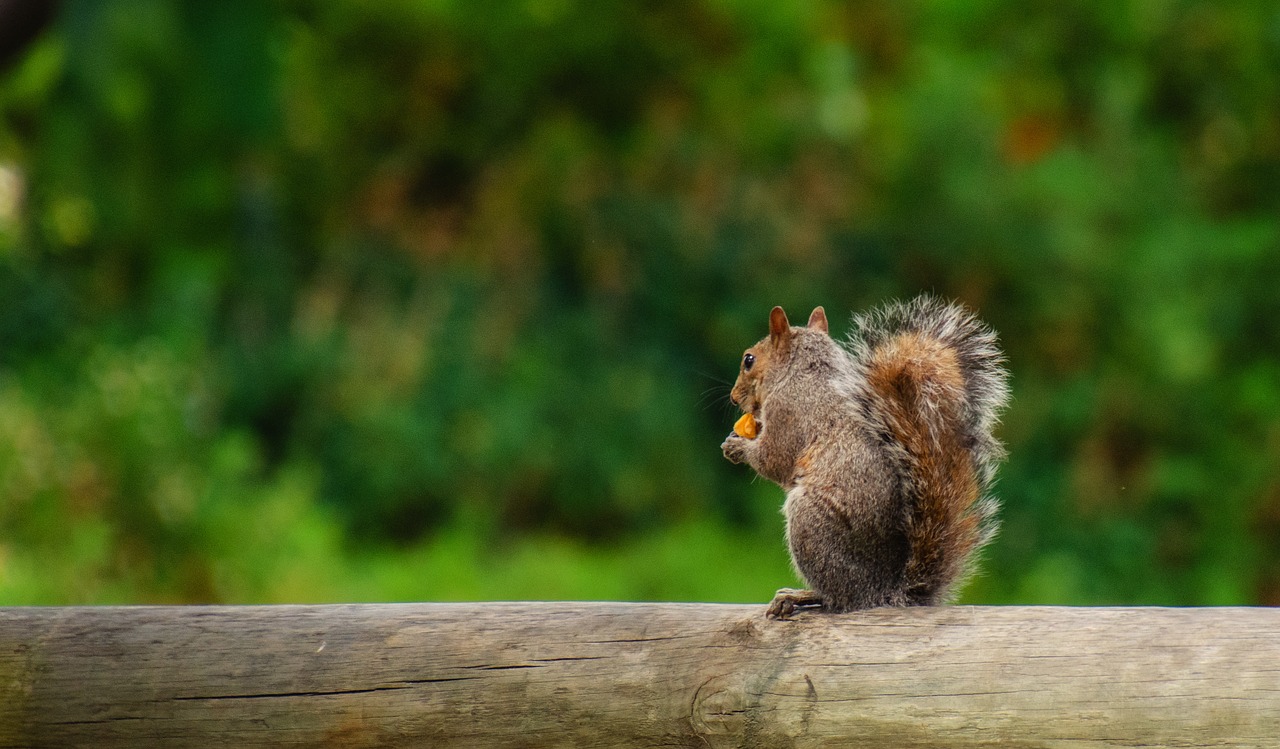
327, 300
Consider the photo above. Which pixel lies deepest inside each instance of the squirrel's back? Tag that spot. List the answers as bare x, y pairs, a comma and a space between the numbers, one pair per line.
930, 382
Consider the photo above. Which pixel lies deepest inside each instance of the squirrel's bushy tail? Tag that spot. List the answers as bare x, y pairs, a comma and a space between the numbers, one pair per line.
935, 387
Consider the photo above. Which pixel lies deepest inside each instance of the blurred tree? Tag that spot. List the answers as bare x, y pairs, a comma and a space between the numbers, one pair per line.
431, 298
20, 22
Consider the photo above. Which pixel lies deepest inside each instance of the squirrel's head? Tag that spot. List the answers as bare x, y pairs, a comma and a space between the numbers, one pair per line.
766, 363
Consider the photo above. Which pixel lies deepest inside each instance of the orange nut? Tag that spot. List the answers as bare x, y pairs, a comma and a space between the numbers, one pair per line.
745, 427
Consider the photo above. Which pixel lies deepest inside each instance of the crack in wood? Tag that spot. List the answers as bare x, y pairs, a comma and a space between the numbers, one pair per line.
506, 667
406, 684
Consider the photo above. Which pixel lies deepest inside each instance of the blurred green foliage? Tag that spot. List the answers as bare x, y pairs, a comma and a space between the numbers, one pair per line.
433, 299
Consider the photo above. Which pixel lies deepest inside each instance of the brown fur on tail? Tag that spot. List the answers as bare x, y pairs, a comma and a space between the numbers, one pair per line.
935, 386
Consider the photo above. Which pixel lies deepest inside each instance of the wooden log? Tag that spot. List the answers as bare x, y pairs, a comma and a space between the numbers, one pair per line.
622, 675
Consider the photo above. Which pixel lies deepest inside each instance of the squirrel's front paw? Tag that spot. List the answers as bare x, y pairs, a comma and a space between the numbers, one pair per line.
734, 448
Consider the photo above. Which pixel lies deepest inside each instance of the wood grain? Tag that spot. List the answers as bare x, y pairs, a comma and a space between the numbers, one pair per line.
623, 675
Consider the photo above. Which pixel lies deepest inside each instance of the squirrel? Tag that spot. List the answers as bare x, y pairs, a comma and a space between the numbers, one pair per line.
884, 447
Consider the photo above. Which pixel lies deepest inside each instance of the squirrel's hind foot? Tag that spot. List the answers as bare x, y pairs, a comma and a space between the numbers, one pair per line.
787, 600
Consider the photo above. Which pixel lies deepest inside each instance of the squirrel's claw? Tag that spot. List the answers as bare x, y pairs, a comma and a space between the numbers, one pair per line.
734, 448
787, 600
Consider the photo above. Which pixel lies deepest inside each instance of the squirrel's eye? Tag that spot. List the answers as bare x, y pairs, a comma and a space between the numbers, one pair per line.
747, 361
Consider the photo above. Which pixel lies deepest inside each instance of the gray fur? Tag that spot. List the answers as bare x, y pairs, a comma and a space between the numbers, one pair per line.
854, 491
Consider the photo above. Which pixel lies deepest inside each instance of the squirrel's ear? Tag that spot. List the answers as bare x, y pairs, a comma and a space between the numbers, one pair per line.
779, 328
818, 319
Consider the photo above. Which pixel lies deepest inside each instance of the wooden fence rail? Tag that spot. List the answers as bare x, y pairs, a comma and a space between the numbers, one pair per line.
624, 675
